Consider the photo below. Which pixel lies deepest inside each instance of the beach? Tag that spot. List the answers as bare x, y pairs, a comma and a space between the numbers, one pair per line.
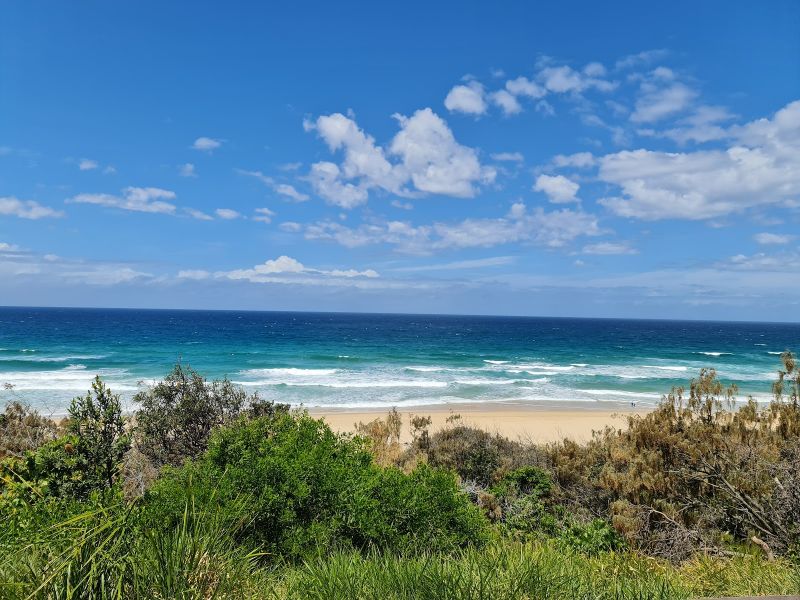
536, 424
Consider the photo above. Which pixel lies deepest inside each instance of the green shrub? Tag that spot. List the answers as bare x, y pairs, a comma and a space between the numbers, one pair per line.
307, 488
100, 438
592, 538
524, 481
178, 414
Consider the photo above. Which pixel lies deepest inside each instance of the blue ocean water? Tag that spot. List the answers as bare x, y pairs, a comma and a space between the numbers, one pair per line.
49, 355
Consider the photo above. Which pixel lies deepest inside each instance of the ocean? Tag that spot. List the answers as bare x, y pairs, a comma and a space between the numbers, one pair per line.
355, 361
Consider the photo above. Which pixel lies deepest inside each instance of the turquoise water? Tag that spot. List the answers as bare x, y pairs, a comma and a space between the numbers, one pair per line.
370, 361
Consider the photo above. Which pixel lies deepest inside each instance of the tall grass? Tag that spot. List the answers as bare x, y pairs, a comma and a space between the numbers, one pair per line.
107, 558
101, 554
516, 571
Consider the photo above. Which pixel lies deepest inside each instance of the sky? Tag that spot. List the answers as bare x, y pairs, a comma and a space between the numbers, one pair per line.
620, 159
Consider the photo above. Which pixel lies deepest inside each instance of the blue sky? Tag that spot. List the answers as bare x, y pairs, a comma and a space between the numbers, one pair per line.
568, 159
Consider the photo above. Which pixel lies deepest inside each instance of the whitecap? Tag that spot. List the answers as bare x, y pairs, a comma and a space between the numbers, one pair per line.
289, 372
496, 362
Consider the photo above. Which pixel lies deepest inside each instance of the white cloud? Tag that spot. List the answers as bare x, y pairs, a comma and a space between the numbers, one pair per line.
657, 102
25, 267
206, 144
435, 162
594, 69
478, 263
703, 125
264, 215
761, 168
558, 188
430, 160
564, 79
508, 157
522, 86
198, 214
86, 164
642, 58
286, 270
766, 238
326, 179
26, 209
227, 213
284, 189
579, 160
539, 227
187, 170
6, 247
506, 101
150, 200
468, 99
609, 248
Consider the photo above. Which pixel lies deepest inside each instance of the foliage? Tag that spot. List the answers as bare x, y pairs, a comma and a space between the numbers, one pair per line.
178, 414
95, 420
692, 474
23, 429
306, 488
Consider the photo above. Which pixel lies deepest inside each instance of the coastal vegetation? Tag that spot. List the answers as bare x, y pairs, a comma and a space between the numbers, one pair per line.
209, 492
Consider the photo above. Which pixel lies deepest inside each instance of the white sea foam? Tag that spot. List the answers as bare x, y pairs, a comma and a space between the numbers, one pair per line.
716, 353
71, 378
52, 359
289, 372
668, 367
496, 362
425, 369
774, 353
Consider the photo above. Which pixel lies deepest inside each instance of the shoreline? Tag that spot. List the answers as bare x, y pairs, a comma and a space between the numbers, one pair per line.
515, 421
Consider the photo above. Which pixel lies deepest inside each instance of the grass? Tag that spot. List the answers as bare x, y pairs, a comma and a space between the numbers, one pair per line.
101, 554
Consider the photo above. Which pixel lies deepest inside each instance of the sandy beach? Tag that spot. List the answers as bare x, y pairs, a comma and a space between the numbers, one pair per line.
515, 421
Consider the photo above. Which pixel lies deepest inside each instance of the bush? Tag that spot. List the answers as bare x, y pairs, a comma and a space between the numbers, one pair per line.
101, 441
23, 429
178, 414
306, 488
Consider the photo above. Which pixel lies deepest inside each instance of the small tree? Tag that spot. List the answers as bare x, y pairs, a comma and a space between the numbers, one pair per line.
178, 414
96, 421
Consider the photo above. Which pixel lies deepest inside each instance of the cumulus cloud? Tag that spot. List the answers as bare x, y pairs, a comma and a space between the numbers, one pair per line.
264, 215
427, 160
206, 144
558, 188
508, 157
657, 101
150, 200
539, 227
198, 214
227, 213
286, 270
641, 59
766, 238
187, 170
522, 86
760, 168
506, 101
86, 164
580, 160
26, 209
564, 79
468, 99
6, 247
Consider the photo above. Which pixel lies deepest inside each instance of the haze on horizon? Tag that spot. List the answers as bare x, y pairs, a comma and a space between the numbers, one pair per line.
572, 160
